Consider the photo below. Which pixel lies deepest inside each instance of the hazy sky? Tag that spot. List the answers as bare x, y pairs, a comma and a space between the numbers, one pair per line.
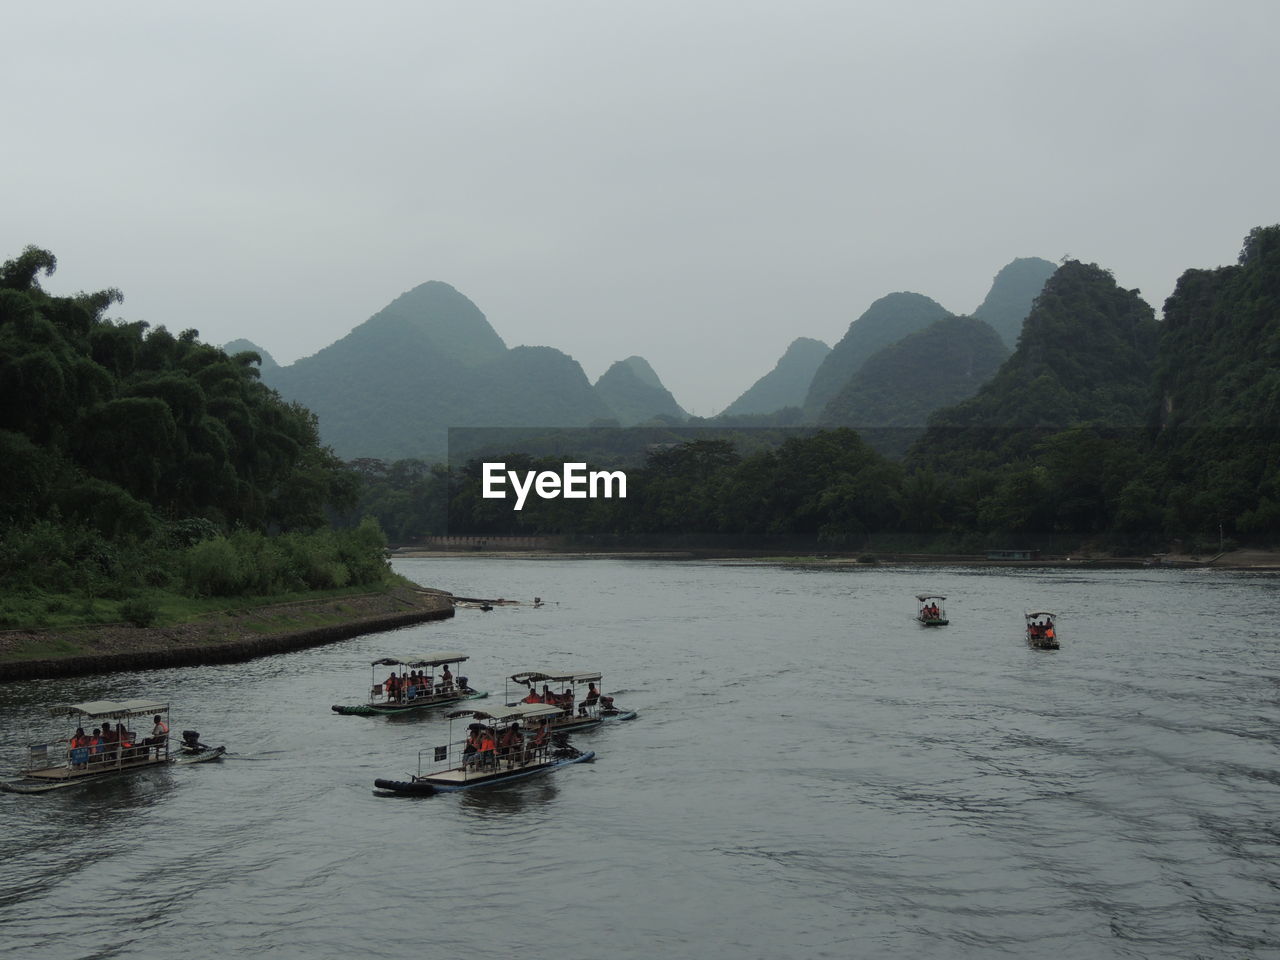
698, 182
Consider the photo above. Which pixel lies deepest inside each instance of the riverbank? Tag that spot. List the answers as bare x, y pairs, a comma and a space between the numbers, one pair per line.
1250, 559
222, 637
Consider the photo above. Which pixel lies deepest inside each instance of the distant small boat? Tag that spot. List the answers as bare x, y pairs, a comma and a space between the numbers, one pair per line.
1042, 630
82, 759
931, 612
592, 707
496, 749
413, 685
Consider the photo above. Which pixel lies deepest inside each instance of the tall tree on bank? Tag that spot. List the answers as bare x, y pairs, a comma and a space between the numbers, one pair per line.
124, 426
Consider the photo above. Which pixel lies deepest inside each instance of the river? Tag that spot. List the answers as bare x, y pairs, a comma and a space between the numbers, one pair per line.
812, 774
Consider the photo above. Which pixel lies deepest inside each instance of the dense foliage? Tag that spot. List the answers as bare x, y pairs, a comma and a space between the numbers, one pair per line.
1218, 418
124, 444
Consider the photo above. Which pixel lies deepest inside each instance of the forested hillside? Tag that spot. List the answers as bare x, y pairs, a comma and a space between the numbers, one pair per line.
1216, 397
886, 321
1086, 356
903, 383
1100, 431
130, 452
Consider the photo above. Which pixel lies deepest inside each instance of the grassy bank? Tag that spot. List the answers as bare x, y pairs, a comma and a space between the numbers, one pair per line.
234, 631
158, 607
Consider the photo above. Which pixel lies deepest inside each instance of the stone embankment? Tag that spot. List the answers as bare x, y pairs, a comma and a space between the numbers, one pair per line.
224, 638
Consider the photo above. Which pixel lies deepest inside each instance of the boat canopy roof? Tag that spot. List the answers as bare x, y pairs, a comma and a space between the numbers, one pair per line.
111, 709
539, 676
519, 711
422, 660
1032, 614
922, 597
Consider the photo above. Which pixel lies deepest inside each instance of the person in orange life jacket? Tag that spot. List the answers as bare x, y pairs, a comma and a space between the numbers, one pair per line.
532, 697
512, 741
159, 734
488, 746
78, 748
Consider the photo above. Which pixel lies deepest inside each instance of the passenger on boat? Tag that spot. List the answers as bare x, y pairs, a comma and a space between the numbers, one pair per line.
590, 700
472, 746
78, 749
488, 748
512, 743
95, 746
536, 744
532, 697
159, 735
110, 741
446, 680
128, 742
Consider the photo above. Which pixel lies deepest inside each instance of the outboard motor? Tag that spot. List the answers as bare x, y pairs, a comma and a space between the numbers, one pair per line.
191, 741
462, 683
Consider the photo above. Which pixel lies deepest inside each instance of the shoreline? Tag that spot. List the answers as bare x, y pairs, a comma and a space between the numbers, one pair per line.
1255, 560
226, 638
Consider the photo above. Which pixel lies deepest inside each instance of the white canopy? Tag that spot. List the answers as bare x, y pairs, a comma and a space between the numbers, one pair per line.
537, 676
1041, 613
520, 711
422, 660
111, 709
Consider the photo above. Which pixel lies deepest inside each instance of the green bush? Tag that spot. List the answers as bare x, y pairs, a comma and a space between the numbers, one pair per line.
139, 611
213, 569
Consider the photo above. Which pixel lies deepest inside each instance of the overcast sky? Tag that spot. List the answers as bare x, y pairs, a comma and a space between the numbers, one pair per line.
698, 182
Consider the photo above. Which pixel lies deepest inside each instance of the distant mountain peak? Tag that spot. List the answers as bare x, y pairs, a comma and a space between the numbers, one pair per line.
634, 392
886, 321
1013, 292
787, 384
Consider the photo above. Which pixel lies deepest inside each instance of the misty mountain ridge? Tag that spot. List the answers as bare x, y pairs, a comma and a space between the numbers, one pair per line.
635, 394
886, 321
902, 384
786, 385
1013, 292
427, 361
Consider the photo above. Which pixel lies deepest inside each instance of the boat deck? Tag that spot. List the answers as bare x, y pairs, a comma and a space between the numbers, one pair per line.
460, 777
93, 769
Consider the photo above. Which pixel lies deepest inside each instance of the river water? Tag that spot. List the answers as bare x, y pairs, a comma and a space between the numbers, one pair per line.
812, 775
